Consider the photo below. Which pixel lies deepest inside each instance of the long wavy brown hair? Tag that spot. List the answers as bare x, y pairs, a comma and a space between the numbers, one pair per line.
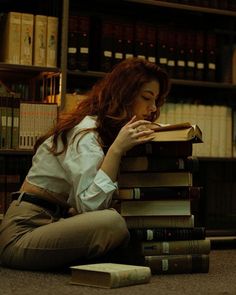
111, 100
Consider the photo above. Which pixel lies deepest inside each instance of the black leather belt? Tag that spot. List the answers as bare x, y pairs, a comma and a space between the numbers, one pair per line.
33, 199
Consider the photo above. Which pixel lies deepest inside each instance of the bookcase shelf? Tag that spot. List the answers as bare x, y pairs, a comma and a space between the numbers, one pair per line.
186, 7
15, 152
181, 82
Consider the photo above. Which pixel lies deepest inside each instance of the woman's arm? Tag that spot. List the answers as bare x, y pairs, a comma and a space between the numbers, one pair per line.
128, 137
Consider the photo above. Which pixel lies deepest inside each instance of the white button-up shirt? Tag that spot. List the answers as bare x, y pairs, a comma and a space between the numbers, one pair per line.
76, 172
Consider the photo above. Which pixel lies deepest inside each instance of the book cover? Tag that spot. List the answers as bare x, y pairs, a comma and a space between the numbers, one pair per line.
152, 208
159, 164
154, 179
149, 248
168, 234
159, 221
176, 264
154, 193
40, 40
109, 275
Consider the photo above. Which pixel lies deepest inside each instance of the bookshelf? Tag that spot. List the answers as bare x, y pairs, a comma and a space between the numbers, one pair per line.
221, 90
25, 80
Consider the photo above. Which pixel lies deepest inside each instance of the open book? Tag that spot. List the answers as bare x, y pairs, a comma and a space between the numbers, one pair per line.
177, 132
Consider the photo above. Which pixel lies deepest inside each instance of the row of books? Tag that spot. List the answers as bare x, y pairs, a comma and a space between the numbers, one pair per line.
184, 52
29, 39
155, 195
13, 169
215, 121
23, 122
218, 4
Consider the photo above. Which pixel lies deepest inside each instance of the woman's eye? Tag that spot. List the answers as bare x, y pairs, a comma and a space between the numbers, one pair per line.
146, 98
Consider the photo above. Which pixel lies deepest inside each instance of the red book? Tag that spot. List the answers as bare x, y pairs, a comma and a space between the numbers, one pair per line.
140, 40
118, 42
128, 41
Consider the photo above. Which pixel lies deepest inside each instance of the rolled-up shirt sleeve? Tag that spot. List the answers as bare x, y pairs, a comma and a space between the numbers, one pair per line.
91, 188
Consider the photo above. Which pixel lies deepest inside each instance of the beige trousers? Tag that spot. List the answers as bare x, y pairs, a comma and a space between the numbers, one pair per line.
32, 238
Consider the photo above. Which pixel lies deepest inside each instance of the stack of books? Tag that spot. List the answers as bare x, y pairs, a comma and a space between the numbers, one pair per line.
155, 194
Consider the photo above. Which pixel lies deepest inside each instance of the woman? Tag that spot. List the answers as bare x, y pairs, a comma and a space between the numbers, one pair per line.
62, 213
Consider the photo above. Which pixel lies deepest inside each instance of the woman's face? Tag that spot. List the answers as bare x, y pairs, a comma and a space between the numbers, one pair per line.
146, 100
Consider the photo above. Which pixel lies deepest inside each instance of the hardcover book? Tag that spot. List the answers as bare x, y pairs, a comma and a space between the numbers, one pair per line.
27, 38
11, 28
109, 275
158, 193
176, 264
52, 40
159, 164
177, 132
168, 234
159, 221
163, 149
152, 208
40, 40
149, 248
154, 179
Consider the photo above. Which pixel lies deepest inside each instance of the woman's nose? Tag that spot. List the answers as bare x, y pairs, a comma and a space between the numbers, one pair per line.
153, 107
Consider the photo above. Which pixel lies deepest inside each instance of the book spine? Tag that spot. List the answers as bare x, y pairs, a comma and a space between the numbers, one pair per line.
40, 40
27, 38
118, 42
12, 38
128, 278
156, 164
168, 234
163, 149
128, 33
52, 40
176, 247
140, 40
176, 264
156, 193
83, 42
155, 179
106, 45
159, 221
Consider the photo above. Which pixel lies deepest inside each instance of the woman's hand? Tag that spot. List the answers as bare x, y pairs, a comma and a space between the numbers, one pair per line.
131, 134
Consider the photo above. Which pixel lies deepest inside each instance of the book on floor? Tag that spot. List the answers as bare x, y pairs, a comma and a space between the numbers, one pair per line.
149, 248
176, 264
109, 275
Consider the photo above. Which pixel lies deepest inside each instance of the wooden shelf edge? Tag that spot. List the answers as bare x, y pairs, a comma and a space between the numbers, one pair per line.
16, 152
175, 82
30, 68
193, 8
